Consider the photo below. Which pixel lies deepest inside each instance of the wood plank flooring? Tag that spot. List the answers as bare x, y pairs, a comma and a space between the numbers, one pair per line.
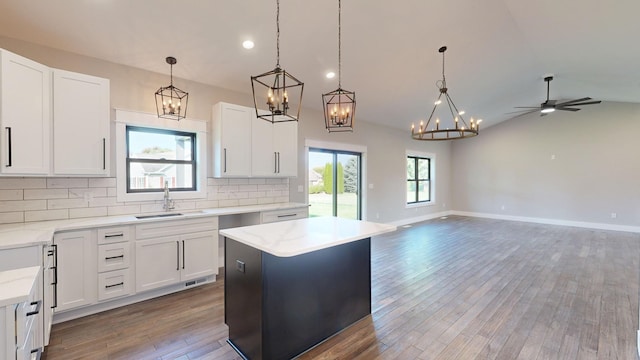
456, 288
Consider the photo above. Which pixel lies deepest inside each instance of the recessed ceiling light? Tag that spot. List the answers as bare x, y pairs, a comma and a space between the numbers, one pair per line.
247, 44
330, 75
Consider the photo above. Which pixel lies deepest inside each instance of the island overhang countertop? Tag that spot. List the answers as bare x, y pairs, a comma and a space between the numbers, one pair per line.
296, 237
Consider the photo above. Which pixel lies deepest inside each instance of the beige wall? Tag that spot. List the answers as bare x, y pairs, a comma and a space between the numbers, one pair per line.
133, 89
578, 167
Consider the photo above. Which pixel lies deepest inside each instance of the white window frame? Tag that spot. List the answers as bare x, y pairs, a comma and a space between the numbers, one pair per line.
126, 117
432, 178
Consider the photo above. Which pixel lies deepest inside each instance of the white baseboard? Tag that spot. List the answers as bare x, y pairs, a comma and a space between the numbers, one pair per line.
582, 224
420, 218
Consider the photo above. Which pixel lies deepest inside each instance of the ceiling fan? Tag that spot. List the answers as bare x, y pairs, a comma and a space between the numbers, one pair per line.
550, 106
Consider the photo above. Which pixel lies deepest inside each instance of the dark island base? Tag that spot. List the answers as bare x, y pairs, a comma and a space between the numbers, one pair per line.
279, 307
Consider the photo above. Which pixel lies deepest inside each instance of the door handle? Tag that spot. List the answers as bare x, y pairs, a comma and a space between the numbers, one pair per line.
225, 160
104, 153
183, 254
177, 255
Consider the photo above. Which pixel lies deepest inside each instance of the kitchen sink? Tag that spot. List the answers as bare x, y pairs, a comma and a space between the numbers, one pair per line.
157, 216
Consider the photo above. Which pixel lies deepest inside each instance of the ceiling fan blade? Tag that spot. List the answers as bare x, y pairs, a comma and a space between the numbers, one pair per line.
522, 112
585, 103
568, 109
527, 107
571, 102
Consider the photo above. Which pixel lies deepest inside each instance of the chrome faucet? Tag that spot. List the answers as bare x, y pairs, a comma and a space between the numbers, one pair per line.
168, 203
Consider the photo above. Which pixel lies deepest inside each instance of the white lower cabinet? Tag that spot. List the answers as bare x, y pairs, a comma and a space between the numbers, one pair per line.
168, 260
76, 269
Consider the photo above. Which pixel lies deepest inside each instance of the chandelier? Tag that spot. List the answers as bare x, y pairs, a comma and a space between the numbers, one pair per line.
171, 102
280, 91
339, 105
458, 128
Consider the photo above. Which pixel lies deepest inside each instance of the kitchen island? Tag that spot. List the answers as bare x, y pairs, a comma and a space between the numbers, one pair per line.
293, 284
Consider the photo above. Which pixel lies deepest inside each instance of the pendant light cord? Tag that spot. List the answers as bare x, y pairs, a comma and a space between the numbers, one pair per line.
277, 33
339, 44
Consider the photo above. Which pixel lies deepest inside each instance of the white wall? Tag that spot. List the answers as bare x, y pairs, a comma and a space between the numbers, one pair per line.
575, 167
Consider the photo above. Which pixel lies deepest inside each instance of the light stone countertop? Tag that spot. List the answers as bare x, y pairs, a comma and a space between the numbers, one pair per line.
296, 237
16, 285
40, 233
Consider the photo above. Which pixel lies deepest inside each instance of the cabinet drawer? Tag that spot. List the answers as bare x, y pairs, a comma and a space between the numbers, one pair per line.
114, 234
27, 316
114, 284
176, 227
114, 256
283, 215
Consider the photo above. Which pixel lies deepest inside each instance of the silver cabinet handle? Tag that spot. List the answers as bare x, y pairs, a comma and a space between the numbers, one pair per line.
225, 160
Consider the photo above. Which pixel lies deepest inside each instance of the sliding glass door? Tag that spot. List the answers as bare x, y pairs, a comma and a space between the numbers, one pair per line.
334, 183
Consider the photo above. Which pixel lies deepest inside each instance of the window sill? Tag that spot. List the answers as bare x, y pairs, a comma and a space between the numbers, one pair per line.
419, 205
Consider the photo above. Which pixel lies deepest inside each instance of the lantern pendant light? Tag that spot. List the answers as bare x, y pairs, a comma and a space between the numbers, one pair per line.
171, 102
277, 90
339, 105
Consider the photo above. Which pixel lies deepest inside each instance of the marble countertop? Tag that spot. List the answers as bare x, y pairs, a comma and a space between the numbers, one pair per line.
39, 233
296, 237
16, 285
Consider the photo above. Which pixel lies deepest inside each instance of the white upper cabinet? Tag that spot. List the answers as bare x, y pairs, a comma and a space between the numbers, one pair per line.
275, 146
231, 136
25, 115
80, 124
245, 146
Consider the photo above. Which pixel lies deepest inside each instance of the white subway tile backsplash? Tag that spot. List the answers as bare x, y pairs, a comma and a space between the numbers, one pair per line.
11, 194
238, 181
103, 201
45, 194
228, 203
102, 182
67, 203
242, 202
89, 192
217, 181
23, 183
206, 204
43, 215
123, 210
87, 212
67, 183
11, 217
38, 199
22, 205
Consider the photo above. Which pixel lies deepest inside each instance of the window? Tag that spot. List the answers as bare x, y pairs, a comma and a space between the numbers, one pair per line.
156, 156
418, 179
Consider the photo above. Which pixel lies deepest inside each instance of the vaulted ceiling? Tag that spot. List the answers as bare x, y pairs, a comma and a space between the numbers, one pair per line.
498, 50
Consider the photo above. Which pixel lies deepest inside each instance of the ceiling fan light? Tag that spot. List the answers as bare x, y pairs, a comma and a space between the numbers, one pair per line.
547, 110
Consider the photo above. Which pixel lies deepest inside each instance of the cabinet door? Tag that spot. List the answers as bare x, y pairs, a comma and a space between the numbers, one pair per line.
77, 269
285, 144
263, 156
158, 262
232, 140
199, 255
80, 107
25, 115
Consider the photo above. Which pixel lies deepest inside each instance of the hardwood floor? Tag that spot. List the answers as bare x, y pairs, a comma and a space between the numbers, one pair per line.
456, 288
